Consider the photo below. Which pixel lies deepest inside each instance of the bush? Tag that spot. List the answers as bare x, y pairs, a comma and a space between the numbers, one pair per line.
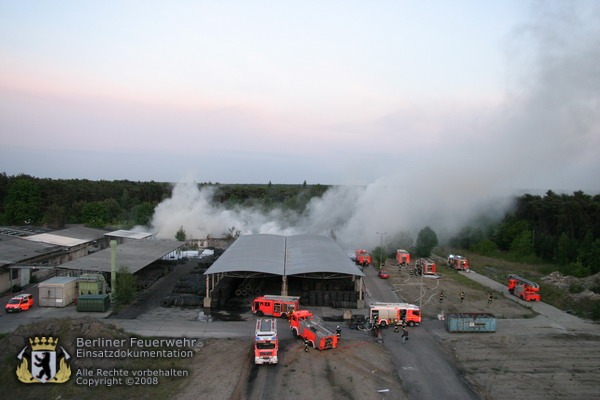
576, 288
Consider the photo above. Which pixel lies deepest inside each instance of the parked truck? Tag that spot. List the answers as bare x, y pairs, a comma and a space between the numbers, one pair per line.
363, 258
385, 314
425, 266
402, 257
523, 288
275, 306
458, 263
266, 343
310, 328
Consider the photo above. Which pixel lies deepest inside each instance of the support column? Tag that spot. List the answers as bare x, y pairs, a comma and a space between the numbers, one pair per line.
284, 286
360, 302
207, 298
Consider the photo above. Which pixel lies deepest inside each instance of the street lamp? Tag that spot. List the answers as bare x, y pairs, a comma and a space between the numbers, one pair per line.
381, 247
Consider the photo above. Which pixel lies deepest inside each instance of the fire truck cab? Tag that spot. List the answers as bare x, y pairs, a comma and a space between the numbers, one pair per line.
458, 263
402, 257
266, 343
425, 266
523, 288
310, 327
363, 258
384, 314
276, 306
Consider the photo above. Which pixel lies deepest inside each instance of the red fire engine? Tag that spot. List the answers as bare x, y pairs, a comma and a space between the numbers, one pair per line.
402, 257
276, 306
266, 343
458, 263
385, 314
425, 266
309, 327
363, 258
523, 288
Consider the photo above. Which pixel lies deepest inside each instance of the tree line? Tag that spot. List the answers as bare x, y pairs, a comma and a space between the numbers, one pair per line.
561, 229
27, 200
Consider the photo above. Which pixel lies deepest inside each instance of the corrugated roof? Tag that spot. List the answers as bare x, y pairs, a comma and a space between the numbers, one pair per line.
284, 255
308, 254
256, 253
135, 255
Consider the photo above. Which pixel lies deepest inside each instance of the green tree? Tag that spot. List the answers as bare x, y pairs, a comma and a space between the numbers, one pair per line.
142, 213
426, 241
23, 202
180, 235
378, 254
95, 214
125, 286
522, 244
55, 216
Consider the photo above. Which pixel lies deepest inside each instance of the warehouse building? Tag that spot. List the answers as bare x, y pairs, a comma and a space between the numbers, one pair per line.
313, 267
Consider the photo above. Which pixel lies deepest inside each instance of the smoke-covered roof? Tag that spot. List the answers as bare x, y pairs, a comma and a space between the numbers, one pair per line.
285, 255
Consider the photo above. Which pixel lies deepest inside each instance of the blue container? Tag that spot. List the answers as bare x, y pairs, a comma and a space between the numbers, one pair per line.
470, 322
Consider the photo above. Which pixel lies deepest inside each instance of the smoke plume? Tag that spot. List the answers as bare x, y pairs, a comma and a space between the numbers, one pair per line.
546, 130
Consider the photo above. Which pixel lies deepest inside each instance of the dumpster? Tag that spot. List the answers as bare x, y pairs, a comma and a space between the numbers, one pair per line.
93, 303
470, 322
59, 291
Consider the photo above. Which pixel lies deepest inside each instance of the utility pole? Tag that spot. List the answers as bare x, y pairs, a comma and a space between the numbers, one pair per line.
381, 247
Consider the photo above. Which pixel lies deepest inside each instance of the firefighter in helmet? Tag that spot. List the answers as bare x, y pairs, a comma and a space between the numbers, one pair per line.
305, 346
338, 332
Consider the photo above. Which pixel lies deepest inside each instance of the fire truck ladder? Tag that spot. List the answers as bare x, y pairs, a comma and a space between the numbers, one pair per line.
523, 280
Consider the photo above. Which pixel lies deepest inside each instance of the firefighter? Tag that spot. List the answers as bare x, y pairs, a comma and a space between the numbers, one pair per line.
442, 296
305, 346
396, 325
338, 332
490, 298
462, 296
289, 314
404, 334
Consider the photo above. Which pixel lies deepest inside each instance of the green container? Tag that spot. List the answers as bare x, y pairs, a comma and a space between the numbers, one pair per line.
91, 284
93, 303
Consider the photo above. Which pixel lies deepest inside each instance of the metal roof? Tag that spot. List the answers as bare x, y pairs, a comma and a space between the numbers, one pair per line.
69, 237
18, 250
134, 255
307, 254
262, 253
285, 255
129, 234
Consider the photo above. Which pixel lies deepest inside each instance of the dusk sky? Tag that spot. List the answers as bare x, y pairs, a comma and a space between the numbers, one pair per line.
502, 93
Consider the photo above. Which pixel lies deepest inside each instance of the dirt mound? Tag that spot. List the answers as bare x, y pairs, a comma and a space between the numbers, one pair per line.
578, 288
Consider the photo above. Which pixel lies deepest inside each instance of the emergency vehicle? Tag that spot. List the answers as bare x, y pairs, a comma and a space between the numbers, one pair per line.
266, 343
276, 306
22, 302
384, 314
363, 258
310, 327
402, 257
425, 266
458, 263
523, 288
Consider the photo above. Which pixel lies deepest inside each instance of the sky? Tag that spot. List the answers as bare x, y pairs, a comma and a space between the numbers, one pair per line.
441, 101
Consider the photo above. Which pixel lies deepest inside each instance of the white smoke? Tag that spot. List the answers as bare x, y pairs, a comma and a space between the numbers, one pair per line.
546, 131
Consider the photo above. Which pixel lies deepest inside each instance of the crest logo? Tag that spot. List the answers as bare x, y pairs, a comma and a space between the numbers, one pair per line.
40, 362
